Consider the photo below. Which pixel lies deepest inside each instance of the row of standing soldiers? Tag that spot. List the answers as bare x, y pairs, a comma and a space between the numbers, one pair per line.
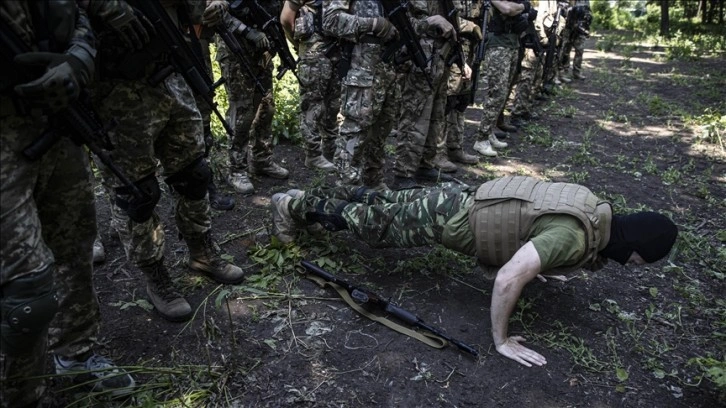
114, 75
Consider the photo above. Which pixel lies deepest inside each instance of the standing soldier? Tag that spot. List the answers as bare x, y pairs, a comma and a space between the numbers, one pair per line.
423, 97
157, 121
531, 72
317, 67
577, 29
370, 96
48, 218
508, 22
250, 109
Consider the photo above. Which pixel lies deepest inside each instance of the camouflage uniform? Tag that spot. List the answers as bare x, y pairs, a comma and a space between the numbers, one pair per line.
526, 86
500, 62
573, 39
317, 71
422, 117
387, 219
48, 228
370, 97
250, 111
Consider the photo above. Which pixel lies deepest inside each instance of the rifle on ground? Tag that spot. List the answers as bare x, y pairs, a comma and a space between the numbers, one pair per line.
236, 48
272, 28
78, 121
480, 50
183, 59
451, 13
365, 297
397, 14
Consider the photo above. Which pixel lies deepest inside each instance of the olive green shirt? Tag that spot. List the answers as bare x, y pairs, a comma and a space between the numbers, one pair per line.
559, 239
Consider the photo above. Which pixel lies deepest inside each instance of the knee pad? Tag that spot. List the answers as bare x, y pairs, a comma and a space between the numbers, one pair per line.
28, 305
139, 209
192, 181
330, 221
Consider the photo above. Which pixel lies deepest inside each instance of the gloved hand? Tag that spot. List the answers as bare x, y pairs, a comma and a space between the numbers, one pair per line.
258, 38
61, 83
132, 27
382, 28
471, 31
437, 26
214, 13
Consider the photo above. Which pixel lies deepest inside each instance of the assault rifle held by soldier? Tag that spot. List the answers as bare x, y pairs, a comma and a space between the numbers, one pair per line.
183, 59
397, 14
365, 297
272, 28
78, 121
236, 49
481, 49
452, 16
552, 52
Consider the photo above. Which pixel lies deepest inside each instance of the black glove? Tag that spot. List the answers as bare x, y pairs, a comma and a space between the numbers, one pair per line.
129, 24
59, 86
258, 38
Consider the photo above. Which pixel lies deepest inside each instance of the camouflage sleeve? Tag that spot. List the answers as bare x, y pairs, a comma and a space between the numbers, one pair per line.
232, 23
340, 23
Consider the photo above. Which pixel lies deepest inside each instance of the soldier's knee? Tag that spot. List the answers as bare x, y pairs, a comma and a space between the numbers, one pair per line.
139, 209
193, 180
28, 305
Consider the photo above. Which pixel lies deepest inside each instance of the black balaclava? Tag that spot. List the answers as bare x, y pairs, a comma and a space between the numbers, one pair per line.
649, 234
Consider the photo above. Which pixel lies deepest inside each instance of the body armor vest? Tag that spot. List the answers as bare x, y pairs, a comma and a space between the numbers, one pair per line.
505, 210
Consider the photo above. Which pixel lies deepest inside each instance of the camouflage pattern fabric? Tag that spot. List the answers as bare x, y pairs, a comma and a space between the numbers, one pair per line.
48, 223
250, 112
370, 95
396, 219
578, 43
421, 123
319, 98
499, 64
457, 85
526, 87
156, 125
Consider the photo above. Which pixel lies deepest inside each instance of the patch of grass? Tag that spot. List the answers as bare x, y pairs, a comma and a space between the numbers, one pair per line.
672, 176
539, 135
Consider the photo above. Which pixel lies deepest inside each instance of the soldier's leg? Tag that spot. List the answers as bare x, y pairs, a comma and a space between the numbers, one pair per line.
383, 110
329, 124
314, 71
498, 63
261, 162
26, 268
579, 46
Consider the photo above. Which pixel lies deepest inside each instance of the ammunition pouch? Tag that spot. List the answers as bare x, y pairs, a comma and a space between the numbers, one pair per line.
192, 181
27, 307
139, 209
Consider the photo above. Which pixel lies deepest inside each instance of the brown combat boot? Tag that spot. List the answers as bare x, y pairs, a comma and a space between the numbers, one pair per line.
205, 256
169, 303
460, 156
442, 162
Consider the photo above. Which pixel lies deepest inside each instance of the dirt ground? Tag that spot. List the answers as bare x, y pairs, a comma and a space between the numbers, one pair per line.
620, 337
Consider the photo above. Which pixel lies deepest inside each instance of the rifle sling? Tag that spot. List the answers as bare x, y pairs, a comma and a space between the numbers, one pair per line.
429, 339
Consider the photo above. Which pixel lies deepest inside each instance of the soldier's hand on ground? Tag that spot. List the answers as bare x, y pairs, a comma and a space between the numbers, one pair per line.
439, 27
258, 38
214, 13
132, 27
517, 352
60, 84
382, 28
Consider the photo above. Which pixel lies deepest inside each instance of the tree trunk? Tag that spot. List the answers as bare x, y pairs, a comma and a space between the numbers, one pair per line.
720, 11
664, 22
702, 5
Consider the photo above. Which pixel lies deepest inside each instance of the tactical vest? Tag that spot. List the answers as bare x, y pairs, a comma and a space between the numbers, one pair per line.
505, 210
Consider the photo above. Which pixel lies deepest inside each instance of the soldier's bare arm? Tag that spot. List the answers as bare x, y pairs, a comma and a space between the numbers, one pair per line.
524, 266
287, 17
508, 8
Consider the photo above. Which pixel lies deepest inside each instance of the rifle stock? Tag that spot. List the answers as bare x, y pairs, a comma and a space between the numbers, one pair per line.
397, 14
236, 49
364, 296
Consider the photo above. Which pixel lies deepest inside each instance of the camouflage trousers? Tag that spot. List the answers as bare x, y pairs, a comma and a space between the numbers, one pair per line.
578, 43
319, 99
458, 92
391, 219
48, 224
250, 113
422, 117
527, 85
156, 126
500, 65
371, 100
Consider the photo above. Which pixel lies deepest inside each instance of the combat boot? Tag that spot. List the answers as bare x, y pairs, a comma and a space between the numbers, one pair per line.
460, 156
484, 148
496, 143
159, 287
270, 169
579, 76
319, 162
241, 183
442, 162
283, 226
205, 256
217, 200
